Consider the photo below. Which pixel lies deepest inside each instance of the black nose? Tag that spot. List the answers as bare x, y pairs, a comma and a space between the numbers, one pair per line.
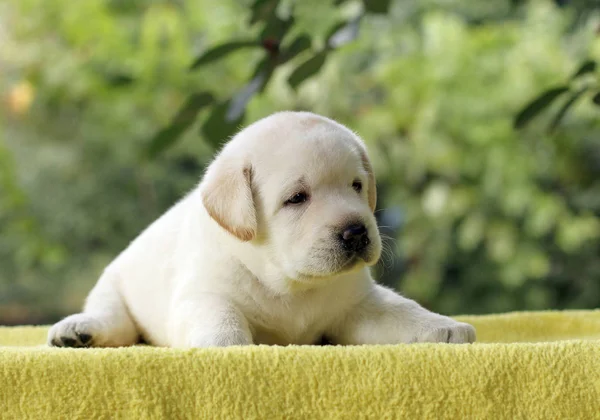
355, 238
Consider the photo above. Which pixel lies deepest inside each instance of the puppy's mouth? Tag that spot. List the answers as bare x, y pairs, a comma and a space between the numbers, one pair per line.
340, 257
352, 263
353, 259
348, 261
342, 262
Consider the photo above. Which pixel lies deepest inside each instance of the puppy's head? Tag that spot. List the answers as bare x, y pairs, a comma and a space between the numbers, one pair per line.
299, 189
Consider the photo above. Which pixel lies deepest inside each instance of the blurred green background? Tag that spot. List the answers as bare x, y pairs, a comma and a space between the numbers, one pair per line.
479, 216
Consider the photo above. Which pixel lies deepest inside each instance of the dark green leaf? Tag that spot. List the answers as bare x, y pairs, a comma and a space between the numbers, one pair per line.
344, 33
567, 105
538, 105
377, 6
588, 66
299, 45
238, 103
184, 118
307, 69
119, 79
261, 66
263, 10
265, 69
596, 98
221, 51
217, 128
188, 164
114, 77
335, 28
276, 28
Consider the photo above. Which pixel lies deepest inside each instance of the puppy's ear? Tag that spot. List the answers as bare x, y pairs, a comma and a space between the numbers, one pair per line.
227, 196
372, 187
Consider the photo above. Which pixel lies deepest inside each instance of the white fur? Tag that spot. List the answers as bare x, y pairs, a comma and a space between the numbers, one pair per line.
230, 264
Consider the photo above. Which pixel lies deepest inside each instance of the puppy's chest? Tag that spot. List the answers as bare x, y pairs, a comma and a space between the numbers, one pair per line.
288, 321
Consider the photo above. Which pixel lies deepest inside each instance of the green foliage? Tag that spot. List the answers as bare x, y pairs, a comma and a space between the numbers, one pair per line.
221, 51
307, 69
185, 117
587, 68
539, 104
492, 214
489, 218
227, 114
377, 6
566, 106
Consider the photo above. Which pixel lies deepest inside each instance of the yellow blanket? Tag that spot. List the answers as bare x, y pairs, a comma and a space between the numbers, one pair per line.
525, 366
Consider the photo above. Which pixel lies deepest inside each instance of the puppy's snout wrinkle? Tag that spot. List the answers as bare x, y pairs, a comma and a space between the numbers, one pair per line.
355, 237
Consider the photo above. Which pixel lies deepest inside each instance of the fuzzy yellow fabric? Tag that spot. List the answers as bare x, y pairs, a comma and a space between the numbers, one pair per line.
543, 365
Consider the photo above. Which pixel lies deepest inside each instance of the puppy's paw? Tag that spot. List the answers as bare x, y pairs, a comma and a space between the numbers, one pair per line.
446, 330
77, 330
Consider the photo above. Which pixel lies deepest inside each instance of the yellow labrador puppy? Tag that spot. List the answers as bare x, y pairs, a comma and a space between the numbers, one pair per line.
273, 247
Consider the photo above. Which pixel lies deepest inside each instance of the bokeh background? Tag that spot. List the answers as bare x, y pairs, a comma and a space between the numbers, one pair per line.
111, 109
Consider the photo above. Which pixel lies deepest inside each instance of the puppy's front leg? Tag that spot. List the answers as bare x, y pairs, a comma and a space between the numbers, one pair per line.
384, 317
207, 320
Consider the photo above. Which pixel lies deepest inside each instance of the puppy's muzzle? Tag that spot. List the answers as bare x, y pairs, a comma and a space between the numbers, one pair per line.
354, 238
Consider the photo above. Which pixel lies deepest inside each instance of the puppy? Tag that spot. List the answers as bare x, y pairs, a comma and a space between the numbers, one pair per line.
273, 247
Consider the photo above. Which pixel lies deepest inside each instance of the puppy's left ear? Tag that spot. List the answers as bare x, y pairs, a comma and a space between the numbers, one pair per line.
227, 196
372, 187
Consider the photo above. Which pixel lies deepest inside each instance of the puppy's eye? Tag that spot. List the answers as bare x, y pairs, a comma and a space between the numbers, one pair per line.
357, 185
297, 198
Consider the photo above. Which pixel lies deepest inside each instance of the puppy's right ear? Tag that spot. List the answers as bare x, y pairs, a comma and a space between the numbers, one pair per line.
227, 196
